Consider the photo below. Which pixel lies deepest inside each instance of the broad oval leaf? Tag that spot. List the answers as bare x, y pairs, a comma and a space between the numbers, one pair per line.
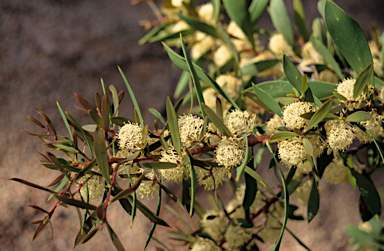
308, 146
268, 100
120, 121
358, 116
362, 80
348, 37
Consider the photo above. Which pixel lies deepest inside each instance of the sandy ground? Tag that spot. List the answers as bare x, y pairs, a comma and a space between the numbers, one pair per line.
52, 48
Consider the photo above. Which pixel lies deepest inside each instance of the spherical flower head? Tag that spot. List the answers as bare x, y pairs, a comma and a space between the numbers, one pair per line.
130, 137
237, 236
279, 46
222, 55
204, 244
230, 152
310, 55
210, 96
328, 76
203, 45
177, 3
173, 174
340, 134
235, 209
318, 144
292, 151
230, 83
272, 229
239, 122
234, 30
96, 187
346, 87
274, 123
258, 203
190, 127
205, 13
293, 111
381, 95
374, 127
378, 67
303, 191
304, 167
214, 224
210, 179
335, 172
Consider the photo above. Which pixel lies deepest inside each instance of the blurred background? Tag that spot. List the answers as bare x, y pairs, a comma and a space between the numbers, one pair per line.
52, 48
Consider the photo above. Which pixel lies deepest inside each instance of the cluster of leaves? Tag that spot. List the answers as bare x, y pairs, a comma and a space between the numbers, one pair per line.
345, 53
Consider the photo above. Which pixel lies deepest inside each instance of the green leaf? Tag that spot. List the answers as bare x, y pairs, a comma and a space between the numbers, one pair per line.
196, 24
323, 161
115, 99
115, 240
268, 100
250, 191
160, 165
101, 154
157, 115
133, 97
126, 192
293, 74
88, 225
313, 202
347, 36
83, 133
173, 126
89, 128
216, 121
339, 96
189, 229
358, 116
299, 18
252, 96
362, 80
40, 228
148, 213
171, 195
308, 146
257, 9
282, 136
152, 33
65, 121
254, 175
96, 118
91, 234
182, 84
86, 169
368, 192
349, 167
281, 21
193, 73
181, 63
120, 121
193, 183
184, 237
240, 169
319, 115
255, 68
105, 111
154, 224
76, 203
329, 60
238, 12
33, 185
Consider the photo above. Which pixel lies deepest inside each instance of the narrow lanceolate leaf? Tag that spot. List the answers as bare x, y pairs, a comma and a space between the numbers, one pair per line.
83, 102
120, 121
115, 240
115, 100
32, 185
368, 192
171, 195
148, 213
348, 37
96, 118
313, 202
358, 116
199, 25
240, 169
216, 121
101, 154
65, 121
181, 63
293, 74
339, 96
58, 164
173, 126
268, 100
257, 177
282, 136
308, 146
257, 9
157, 115
152, 33
193, 183
299, 17
258, 67
35, 121
47, 120
362, 80
133, 97
160, 165
76, 203
87, 168
328, 58
280, 20
319, 115
40, 228
154, 224
193, 73
238, 12
90, 234
126, 192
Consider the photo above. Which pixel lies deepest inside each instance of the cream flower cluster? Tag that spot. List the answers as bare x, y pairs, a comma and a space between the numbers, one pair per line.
292, 114
190, 127
210, 179
230, 152
130, 137
346, 87
237, 236
214, 224
173, 174
204, 244
239, 122
279, 46
292, 151
340, 134
96, 187
335, 172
